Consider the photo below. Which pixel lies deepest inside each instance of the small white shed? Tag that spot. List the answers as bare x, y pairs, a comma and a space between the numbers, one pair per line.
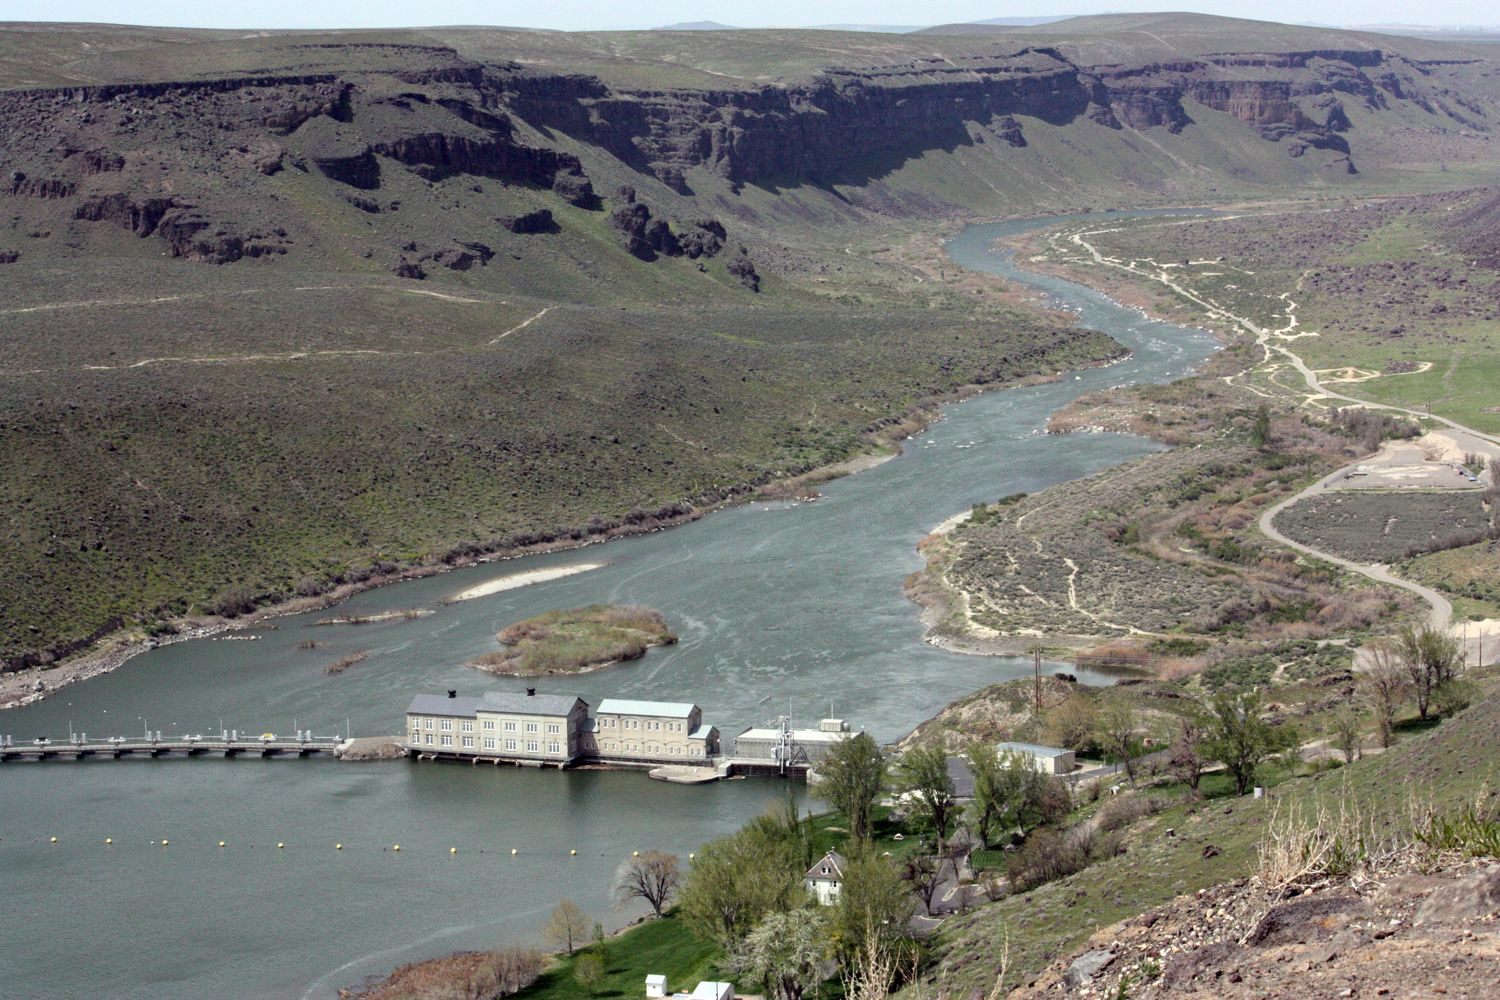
1048, 760
656, 987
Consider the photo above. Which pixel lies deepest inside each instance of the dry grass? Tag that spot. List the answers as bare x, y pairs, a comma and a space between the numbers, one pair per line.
576, 640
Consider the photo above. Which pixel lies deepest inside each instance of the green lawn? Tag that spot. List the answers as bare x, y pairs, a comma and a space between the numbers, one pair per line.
657, 947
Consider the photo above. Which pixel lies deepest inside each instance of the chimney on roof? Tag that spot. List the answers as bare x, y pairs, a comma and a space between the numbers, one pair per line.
531, 692
452, 693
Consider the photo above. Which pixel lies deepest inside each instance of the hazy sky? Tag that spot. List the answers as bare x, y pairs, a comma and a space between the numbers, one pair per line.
600, 14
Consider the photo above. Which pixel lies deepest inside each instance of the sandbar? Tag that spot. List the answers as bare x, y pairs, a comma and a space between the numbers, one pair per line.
524, 579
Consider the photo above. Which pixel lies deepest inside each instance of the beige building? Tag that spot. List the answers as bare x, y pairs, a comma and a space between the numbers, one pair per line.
672, 732
545, 729
1048, 760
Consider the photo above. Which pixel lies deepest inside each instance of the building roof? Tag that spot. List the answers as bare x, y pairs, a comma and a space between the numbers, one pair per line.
656, 980
833, 861
518, 703
1032, 749
702, 732
798, 735
628, 706
962, 777
436, 704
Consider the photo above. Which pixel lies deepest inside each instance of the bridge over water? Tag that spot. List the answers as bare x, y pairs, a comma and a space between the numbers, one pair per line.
115, 748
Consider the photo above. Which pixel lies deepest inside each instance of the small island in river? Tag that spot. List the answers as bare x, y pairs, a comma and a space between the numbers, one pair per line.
577, 640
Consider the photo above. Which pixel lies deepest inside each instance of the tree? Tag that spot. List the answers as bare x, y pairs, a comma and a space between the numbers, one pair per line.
1114, 728
736, 880
1384, 686
588, 971
1185, 758
1070, 724
924, 874
1346, 734
923, 775
1260, 428
852, 775
1431, 658
785, 952
1240, 739
566, 924
873, 900
652, 876
1009, 793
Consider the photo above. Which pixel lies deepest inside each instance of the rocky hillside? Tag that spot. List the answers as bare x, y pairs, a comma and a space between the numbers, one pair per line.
282, 309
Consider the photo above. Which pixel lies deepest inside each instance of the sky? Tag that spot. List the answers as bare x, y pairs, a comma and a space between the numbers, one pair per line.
594, 15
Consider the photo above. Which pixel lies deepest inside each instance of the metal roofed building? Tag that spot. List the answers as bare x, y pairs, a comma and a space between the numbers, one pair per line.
530, 729
782, 746
1048, 760
671, 732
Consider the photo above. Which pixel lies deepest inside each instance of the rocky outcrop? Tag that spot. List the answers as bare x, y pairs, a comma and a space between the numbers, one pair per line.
539, 221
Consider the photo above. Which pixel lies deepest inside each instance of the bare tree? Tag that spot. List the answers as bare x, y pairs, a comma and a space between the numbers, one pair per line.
566, 924
1431, 658
652, 876
924, 874
1384, 686
1186, 760
1114, 728
1347, 736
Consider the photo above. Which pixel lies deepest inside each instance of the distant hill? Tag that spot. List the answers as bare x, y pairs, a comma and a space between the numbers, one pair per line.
697, 26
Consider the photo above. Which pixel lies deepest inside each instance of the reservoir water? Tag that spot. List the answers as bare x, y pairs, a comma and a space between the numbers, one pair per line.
780, 607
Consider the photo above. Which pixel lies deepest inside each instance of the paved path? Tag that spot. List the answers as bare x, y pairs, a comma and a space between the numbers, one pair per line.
1466, 437
1442, 608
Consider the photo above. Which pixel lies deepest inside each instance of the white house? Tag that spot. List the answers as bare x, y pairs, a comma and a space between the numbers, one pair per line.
824, 877
656, 987
1048, 760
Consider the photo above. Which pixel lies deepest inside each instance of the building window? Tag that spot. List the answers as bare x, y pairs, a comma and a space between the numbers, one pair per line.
447, 741
467, 726
469, 742
552, 729
554, 748
489, 742
428, 739
510, 744
447, 725
510, 727
531, 727
429, 723
531, 746
489, 724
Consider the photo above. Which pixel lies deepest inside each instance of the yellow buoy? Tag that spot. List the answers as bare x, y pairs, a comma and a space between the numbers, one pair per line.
636, 854
221, 843
280, 846
572, 852
109, 840
396, 848
512, 850
692, 856
54, 840
338, 847
164, 843
452, 850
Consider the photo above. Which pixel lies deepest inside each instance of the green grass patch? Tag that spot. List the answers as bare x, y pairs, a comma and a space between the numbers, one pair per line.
656, 947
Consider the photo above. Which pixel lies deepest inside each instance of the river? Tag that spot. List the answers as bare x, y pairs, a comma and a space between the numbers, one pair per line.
781, 607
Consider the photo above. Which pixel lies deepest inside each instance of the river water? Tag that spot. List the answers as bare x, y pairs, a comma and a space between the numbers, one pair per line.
781, 607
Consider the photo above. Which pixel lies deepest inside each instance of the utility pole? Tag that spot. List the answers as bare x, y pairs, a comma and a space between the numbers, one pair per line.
1039, 678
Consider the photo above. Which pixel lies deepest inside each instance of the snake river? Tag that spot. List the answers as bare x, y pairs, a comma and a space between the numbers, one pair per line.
780, 607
